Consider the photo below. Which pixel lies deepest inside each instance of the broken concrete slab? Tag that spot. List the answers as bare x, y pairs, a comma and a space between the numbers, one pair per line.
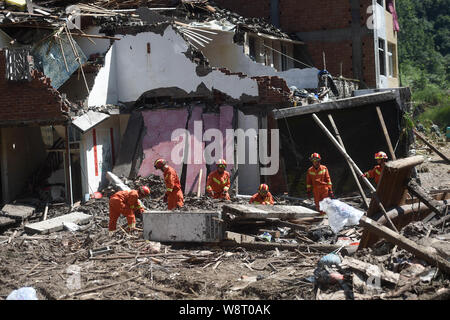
170, 226
264, 212
57, 224
18, 211
89, 120
4, 221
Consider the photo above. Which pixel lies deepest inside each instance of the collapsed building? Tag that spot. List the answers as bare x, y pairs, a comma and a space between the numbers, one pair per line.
109, 87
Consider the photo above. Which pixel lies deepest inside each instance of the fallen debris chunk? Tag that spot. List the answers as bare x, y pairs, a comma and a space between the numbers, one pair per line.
404, 243
238, 237
57, 224
4, 221
100, 251
277, 211
18, 211
362, 266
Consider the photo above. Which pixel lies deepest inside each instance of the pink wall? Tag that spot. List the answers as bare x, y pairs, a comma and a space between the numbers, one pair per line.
157, 142
159, 125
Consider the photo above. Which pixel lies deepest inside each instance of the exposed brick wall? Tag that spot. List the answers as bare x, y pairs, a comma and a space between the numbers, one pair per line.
318, 15
28, 101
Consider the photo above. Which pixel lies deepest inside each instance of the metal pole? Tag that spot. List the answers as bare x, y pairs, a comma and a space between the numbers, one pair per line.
338, 136
68, 169
350, 160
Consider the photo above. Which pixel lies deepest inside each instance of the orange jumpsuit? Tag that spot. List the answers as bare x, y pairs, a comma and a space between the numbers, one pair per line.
174, 194
123, 202
319, 180
218, 183
375, 173
258, 199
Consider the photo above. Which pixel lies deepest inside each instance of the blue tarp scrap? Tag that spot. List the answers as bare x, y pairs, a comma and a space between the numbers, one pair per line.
49, 59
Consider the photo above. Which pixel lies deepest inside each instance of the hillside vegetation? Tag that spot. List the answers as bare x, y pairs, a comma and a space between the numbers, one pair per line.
424, 55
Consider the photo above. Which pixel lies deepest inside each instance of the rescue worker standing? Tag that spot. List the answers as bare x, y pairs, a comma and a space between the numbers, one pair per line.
263, 196
126, 203
174, 194
218, 182
375, 173
318, 180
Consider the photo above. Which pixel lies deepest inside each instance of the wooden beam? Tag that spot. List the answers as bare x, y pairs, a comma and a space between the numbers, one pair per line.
406, 244
431, 146
238, 237
355, 177
428, 201
282, 246
386, 134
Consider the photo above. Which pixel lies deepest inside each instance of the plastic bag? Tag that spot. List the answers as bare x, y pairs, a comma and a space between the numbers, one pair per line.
339, 214
25, 293
329, 260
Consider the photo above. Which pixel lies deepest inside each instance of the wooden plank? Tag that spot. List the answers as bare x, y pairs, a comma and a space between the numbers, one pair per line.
406, 244
18, 211
431, 146
261, 211
56, 224
415, 190
391, 189
238, 237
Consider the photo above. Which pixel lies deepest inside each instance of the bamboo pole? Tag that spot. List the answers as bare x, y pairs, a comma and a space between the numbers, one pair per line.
338, 136
386, 134
366, 181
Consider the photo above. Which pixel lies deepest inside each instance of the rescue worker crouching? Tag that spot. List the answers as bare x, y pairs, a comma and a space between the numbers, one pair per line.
174, 194
263, 196
381, 158
318, 181
218, 182
126, 203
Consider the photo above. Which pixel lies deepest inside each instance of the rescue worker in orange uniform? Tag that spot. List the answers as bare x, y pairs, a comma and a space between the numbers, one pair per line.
218, 182
126, 203
318, 180
263, 196
375, 173
174, 194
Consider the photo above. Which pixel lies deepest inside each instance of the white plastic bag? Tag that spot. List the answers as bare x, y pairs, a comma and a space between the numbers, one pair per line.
339, 214
26, 293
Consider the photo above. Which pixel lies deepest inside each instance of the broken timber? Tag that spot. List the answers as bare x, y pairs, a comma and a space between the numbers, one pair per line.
57, 224
404, 243
415, 190
386, 134
391, 190
264, 212
431, 146
282, 246
362, 266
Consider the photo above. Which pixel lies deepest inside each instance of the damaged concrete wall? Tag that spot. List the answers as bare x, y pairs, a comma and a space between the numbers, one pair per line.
22, 152
223, 52
99, 150
149, 61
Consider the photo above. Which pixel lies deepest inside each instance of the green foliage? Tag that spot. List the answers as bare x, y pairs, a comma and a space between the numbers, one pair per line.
424, 55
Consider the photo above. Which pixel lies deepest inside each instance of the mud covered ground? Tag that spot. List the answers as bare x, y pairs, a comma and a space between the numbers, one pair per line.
59, 265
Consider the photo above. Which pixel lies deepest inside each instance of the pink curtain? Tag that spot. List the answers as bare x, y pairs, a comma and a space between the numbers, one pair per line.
391, 8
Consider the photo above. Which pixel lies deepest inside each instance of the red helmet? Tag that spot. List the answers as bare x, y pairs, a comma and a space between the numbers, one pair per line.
160, 163
144, 190
380, 155
263, 187
221, 162
314, 156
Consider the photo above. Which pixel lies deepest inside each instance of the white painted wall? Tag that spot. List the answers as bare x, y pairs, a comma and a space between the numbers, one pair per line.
91, 182
222, 52
99, 45
248, 173
165, 66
